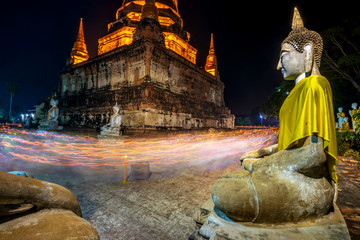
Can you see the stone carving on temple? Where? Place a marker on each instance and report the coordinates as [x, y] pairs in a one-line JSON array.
[[287, 190]]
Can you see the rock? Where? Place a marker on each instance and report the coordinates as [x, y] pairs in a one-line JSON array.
[[48, 224], [59, 217]]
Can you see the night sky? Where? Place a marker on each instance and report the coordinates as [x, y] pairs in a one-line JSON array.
[[37, 37]]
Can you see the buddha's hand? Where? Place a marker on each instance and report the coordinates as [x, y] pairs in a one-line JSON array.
[[335, 186], [259, 153]]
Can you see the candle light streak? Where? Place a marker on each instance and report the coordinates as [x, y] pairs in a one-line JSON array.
[[27, 148]]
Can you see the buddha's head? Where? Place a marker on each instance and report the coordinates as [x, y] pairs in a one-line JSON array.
[[354, 105], [53, 102], [116, 109], [340, 109], [300, 51], [346, 119]]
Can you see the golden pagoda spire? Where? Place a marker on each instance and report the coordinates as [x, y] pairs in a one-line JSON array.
[[297, 21], [149, 10], [176, 5], [79, 52], [211, 61]]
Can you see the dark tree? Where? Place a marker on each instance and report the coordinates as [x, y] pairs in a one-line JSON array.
[[272, 107], [12, 88], [341, 60]]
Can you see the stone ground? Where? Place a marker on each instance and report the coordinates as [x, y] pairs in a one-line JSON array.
[[158, 208], [162, 206], [349, 194]]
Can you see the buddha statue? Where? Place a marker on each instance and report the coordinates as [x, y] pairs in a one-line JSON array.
[[51, 121], [294, 180], [345, 125], [352, 112], [340, 115], [113, 128]]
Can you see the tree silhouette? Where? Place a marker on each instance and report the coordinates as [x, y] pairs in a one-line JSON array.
[[12, 88], [341, 60]]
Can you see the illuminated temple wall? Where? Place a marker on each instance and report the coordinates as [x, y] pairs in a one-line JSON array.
[[164, 91], [128, 69], [121, 37]]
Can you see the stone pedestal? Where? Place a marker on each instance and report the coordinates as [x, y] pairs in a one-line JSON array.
[[50, 126], [110, 131], [140, 171], [213, 225]]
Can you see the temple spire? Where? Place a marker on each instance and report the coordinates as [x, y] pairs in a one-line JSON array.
[[149, 10], [81, 36], [176, 5], [212, 48], [211, 61], [79, 52]]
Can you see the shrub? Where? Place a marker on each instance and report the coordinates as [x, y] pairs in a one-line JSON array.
[[347, 140], [357, 121], [349, 144], [352, 153]]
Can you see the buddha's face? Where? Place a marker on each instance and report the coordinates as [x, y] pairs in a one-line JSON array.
[[53, 103], [116, 109], [291, 63], [354, 105], [340, 109]]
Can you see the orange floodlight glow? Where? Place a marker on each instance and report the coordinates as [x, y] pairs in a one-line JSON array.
[[164, 21], [180, 46], [119, 38], [142, 3]]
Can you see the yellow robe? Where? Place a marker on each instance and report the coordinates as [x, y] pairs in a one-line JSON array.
[[341, 114], [50, 110], [308, 110], [352, 114]]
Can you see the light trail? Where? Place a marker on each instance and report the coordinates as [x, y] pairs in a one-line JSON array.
[[30, 149]]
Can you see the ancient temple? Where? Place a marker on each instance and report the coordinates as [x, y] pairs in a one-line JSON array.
[[147, 66]]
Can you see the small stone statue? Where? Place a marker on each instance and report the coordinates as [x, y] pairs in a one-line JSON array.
[[352, 112], [51, 122], [340, 116], [28, 122], [345, 125], [114, 127]]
